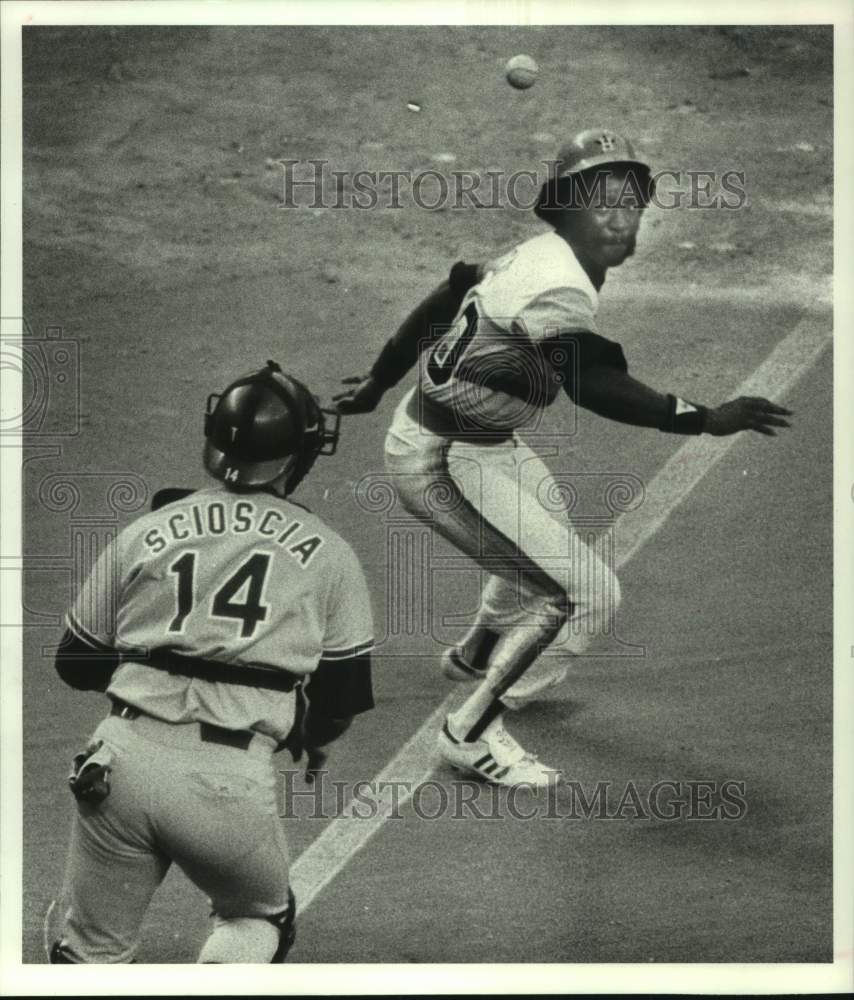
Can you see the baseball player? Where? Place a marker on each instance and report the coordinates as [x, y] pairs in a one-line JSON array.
[[495, 345], [204, 623]]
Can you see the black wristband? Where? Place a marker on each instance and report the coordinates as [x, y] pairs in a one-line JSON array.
[[683, 417]]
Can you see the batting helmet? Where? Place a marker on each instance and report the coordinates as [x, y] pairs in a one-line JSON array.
[[264, 425], [594, 148], [590, 151]]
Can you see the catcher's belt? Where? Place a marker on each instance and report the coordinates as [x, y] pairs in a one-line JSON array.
[[173, 662], [239, 739]]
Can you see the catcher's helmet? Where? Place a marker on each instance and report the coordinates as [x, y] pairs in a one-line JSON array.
[[589, 152], [264, 425]]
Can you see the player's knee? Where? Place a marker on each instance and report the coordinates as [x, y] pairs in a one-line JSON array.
[[285, 924], [558, 607], [61, 954], [258, 940]]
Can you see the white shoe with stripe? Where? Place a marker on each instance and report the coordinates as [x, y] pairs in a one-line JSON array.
[[496, 756]]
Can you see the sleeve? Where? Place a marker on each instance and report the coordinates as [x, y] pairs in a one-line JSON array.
[[84, 664], [562, 324], [341, 688], [349, 622], [463, 277], [170, 494], [341, 685], [426, 323], [86, 657], [93, 614], [573, 353], [556, 311]]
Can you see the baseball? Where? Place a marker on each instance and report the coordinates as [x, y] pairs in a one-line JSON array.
[[521, 72]]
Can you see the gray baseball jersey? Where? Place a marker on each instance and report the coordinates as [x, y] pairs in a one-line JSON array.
[[245, 579]]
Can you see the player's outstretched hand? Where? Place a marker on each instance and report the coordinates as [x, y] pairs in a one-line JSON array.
[[747, 413], [363, 396], [316, 763]]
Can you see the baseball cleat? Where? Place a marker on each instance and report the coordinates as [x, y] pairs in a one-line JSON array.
[[496, 757], [532, 684], [455, 668]]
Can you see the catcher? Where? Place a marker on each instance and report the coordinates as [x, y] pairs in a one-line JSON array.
[[496, 344], [223, 606]]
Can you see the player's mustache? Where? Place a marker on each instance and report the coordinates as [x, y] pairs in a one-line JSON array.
[[628, 243]]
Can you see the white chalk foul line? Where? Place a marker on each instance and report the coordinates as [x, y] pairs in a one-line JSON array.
[[324, 858], [346, 835]]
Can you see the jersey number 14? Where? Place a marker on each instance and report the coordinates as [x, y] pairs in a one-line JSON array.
[[250, 576]]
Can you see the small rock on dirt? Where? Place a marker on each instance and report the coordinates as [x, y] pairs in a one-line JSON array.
[[331, 275]]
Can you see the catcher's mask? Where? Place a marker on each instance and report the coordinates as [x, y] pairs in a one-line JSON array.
[[579, 161], [264, 425]]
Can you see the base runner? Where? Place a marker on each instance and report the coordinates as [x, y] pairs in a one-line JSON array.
[[204, 623], [495, 345]]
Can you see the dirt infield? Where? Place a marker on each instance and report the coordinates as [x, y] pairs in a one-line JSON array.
[[155, 237]]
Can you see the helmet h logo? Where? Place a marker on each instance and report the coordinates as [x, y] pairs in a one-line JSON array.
[[607, 142]]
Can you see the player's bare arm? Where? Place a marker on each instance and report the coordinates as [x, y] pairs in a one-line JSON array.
[[618, 396], [427, 321]]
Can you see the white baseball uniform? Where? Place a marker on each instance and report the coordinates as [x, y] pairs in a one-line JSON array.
[[457, 428]]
